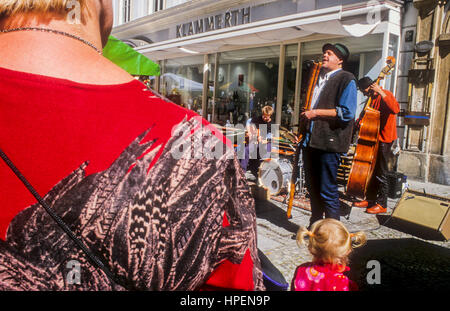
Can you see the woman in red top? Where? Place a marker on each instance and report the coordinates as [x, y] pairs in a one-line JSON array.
[[99, 147], [385, 102]]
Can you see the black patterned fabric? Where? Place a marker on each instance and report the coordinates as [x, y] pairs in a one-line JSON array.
[[155, 229]]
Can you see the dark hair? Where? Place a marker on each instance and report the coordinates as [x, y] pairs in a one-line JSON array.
[[364, 83]]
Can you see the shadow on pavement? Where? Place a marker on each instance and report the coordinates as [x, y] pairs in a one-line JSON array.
[[277, 216], [410, 228], [346, 209], [405, 264], [274, 214]]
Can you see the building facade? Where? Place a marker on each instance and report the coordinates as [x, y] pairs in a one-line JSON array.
[[227, 59], [423, 92]]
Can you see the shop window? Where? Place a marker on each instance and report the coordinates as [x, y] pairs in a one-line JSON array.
[[158, 5], [246, 81], [171, 3], [126, 7], [290, 74], [212, 82], [182, 82], [155, 6], [240, 80]]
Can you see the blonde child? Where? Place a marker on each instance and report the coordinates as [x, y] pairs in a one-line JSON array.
[[330, 244]]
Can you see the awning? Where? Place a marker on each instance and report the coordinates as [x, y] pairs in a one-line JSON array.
[[129, 59]]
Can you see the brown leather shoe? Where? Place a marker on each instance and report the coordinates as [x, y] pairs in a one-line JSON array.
[[376, 209], [362, 204]]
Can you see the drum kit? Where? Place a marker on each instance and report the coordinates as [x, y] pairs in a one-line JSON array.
[[275, 172]]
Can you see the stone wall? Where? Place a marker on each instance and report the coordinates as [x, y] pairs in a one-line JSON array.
[[426, 149]]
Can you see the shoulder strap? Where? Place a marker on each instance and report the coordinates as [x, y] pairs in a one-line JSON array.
[[91, 257]]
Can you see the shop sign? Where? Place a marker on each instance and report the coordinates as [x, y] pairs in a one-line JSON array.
[[214, 22]]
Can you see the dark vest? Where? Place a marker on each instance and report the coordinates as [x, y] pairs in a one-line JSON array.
[[332, 135]]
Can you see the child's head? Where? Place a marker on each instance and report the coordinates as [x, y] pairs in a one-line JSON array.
[[330, 242], [267, 110]]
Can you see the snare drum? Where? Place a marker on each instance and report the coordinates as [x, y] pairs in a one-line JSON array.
[[275, 175]]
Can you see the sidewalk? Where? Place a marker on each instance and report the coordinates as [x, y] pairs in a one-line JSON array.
[[407, 262]]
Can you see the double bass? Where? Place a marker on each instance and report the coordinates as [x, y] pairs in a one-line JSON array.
[[365, 156], [314, 75]]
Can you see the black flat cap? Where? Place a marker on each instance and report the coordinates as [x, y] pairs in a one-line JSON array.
[[340, 50], [364, 83]]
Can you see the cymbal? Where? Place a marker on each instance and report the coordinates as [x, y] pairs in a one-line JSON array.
[[288, 135]]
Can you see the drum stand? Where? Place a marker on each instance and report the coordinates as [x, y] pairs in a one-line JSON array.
[[300, 188], [343, 174]]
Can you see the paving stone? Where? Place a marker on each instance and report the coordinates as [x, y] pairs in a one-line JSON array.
[[407, 262]]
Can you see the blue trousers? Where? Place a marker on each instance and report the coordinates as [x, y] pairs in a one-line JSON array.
[[252, 156], [320, 179]]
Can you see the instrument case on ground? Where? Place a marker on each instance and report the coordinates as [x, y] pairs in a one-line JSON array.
[[395, 182]]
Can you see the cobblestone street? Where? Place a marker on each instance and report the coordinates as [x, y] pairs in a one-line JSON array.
[[407, 261]]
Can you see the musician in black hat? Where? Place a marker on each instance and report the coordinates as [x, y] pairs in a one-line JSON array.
[[331, 120]]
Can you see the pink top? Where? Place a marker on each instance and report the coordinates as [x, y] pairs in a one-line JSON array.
[[322, 277]]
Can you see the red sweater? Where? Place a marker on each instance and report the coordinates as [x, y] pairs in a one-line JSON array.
[[388, 108], [49, 127], [322, 277]]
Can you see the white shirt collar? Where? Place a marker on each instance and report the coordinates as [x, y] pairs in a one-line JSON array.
[[320, 85], [328, 74]]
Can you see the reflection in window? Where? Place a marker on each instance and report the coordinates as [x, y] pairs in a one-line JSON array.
[[171, 3], [246, 81], [126, 11], [290, 72], [158, 5], [182, 82]]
